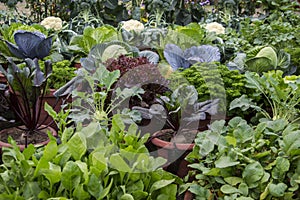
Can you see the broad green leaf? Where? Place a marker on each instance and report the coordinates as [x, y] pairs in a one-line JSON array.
[[231, 140], [80, 193], [277, 190], [126, 197], [106, 190], [228, 189], [282, 166], [98, 161], [118, 163], [94, 186], [243, 189], [253, 173], [160, 184], [225, 161], [233, 180], [53, 174], [77, 145], [199, 191], [71, 176], [84, 169], [31, 190], [291, 141], [212, 172]]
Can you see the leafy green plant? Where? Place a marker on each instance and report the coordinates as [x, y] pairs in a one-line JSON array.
[[261, 59], [92, 91], [180, 110], [89, 163], [62, 72], [278, 32], [239, 161], [81, 45], [213, 80], [281, 95]]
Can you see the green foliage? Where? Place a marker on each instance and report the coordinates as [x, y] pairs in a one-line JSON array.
[[280, 93], [62, 72], [81, 45], [277, 32], [213, 81], [261, 59], [90, 163], [239, 161]]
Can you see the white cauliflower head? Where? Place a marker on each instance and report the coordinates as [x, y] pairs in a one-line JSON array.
[[52, 23], [132, 25], [215, 27]]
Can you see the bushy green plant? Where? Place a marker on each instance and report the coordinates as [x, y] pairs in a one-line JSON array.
[[213, 80], [277, 32], [62, 72], [89, 163], [281, 95], [239, 161]]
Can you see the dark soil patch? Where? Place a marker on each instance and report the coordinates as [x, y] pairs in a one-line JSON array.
[[18, 135]]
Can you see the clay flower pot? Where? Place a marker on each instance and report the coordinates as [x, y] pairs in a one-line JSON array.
[[173, 152], [37, 137]]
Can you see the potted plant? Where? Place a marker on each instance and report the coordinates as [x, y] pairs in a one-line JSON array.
[[179, 116], [27, 83]]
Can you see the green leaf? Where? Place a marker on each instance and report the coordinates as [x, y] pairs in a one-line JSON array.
[[200, 191], [80, 193], [225, 161], [71, 176], [243, 189], [31, 190], [291, 142], [77, 145], [118, 163], [253, 173], [228, 189], [233, 180], [94, 186], [282, 166], [126, 197], [277, 190], [160, 184], [53, 173]]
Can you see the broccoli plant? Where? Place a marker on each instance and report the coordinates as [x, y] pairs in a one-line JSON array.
[[157, 8]]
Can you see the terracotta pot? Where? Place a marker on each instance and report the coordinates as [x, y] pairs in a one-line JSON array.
[[77, 65], [188, 195], [55, 104], [22, 147], [3, 79], [173, 152]]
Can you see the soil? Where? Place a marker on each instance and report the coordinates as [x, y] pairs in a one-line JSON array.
[[18, 135]]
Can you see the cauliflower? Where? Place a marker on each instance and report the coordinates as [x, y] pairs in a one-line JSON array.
[[132, 25], [52, 23], [215, 27]]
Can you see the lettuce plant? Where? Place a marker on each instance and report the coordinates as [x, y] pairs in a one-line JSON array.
[[240, 161]]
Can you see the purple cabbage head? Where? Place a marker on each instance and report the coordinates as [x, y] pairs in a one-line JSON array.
[[178, 58], [30, 45]]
